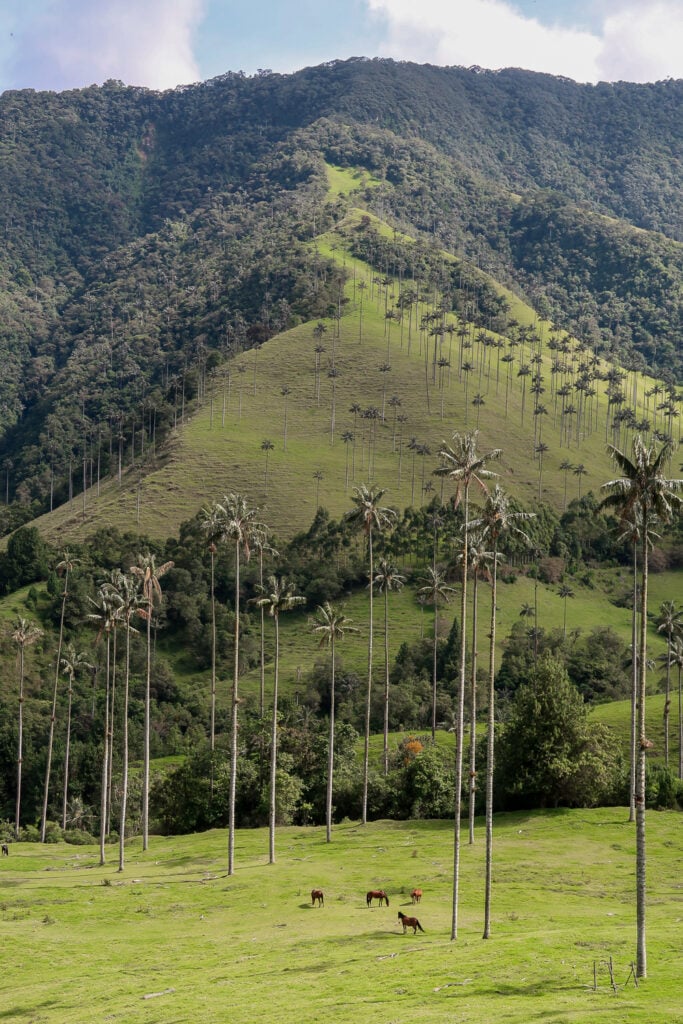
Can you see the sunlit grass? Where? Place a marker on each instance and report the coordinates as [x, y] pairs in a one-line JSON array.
[[175, 939]]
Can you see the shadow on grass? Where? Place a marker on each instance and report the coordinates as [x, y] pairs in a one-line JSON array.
[[30, 1012]]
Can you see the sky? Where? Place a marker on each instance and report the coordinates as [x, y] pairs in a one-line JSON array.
[[65, 44]]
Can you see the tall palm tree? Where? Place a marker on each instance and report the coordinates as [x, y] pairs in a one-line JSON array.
[[106, 605], [330, 626], [676, 658], [24, 634], [267, 446], [671, 624], [131, 602], [387, 578], [278, 596], [480, 560], [71, 661], [149, 574], [642, 490], [496, 521], [369, 516], [435, 589], [564, 592], [565, 466], [240, 528], [64, 567], [462, 464]]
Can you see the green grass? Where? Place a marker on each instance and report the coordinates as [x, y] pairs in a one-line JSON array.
[[174, 939]]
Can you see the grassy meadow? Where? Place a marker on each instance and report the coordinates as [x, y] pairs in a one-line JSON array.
[[174, 939]]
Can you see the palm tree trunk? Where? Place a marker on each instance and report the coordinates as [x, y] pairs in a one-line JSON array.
[[634, 690], [20, 743], [330, 752], [145, 765], [460, 722], [124, 754], [110, 768], [368, 698], [212, 741], [473, 713], [435, 651], [50, 742], [641, 951], [490, 749], [273, 749], [67, 751], [105, 761], [233, 722], [386, 680]]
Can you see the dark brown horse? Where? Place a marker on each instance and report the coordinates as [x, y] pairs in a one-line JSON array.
[[409, 922], [317, 897], [376, 894], [416, 895]]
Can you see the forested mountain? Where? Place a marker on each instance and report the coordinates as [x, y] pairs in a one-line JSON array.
[[146, 235]]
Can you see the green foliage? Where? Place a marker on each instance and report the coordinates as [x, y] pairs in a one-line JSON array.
[[548, 753]]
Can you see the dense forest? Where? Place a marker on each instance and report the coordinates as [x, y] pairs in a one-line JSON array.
[[146, 236]]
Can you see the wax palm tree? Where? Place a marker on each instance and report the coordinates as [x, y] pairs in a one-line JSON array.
[[24, 634], [540, 450], [434, 591], [580, 471], [462, 464], [330, 626], [480, 560], [670, 623], [149, 574], [240, 528], [131, 602], [106, 605], [564, 592], [285, 392], [565, 466], [676, 658], [278, 596], [64, 567], [72, 661], [266, 446], [643, 490], [387, 578], [369, 516], [496, 521]]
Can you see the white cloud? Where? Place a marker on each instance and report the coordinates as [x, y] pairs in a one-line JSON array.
[[639, 41], [76, 42], [643, 43]]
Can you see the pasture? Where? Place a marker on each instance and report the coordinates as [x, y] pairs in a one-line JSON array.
[[174, 939]]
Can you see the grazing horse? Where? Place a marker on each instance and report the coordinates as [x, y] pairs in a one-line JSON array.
[[416, 895], [376, 894], [5, 850], [409, 922], [317, 897]]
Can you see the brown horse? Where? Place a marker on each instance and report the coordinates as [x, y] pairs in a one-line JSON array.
[[317, 897], [409, 922], [416, 895], [376, 894]]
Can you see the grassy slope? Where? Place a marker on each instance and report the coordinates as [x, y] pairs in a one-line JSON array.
[[250, 947], [217, 451]]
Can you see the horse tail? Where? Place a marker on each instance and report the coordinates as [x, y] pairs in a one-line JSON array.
[[419, 925], [386, 898]]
